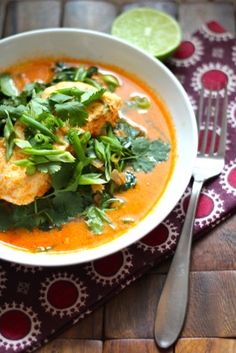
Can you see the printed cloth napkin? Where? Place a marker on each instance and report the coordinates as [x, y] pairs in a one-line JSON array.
[[36, 302]]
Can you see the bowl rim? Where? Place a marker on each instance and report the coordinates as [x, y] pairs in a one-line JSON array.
[[85, 255]]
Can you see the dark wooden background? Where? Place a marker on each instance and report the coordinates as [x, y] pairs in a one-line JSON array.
[[125, 324]]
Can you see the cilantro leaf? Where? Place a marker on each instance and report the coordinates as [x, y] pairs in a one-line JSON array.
[[59, 98], [160, 150], [37, 106], [72, 111], [69, 203], [63, 176], [33, 88], [64, 72], [14, 112], [49, 167], [148, 153], [5, 218], [64, 207], [95, 219], [92, 95]]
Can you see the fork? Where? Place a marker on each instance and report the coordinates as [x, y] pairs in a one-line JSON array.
[[171, 309]]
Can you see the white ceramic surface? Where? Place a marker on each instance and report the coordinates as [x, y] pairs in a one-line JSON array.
[[104, 48]]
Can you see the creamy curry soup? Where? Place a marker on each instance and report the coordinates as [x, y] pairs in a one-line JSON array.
[[86, 152]]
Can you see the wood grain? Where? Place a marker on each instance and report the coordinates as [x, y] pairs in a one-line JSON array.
[[27, 15], [214, 252], [91, 327], [212, 305], [210, 345], [2, 15], [211, 312], [131, 313], [132, 346], [193, 15], [72, 346], [87, 14], [169, 7]]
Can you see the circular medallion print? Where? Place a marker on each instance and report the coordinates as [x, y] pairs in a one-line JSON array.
[[213, 31], [231, 113], [62, 294], [193, 103], [19, 326], [3, 280], [160, 239], [22, 324], [110, 269], [188, 53], [109, 265], [26, 268], [67, 297], [228, 178], [214, 76], [214, 79], [234, 54], [209, 210]]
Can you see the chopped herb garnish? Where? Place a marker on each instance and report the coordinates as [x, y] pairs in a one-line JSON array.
[[138, 102], [9, 135], [111, 81], [7, 85], [86, 170], [95, 218]]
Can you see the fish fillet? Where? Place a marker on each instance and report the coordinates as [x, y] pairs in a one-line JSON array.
[[16, 186], [21, 189], [99, 112]]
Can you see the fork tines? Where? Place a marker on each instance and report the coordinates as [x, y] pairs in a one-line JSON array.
[[212, 121]]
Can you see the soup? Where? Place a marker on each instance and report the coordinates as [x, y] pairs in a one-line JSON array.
[[87, 150]]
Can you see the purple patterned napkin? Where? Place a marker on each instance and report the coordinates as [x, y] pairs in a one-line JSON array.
[[36, 303]]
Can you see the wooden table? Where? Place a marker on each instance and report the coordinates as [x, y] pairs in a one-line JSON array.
[[125, 324]]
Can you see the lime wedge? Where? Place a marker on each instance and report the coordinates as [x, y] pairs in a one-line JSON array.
[[154, 31]]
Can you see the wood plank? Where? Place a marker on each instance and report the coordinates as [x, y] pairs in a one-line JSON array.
[[2, 15], [200, 345], [131, 313], [169, 7], [28, 15], [72, 346], [212, 305], [211, 312], [90, 327], [87, 14], [132, 346], [193, 15], [214, 252]]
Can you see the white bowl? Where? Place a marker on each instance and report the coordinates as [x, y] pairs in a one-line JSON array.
[[104, 48]]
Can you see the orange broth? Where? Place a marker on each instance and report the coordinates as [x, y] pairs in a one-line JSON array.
[[138, 201]]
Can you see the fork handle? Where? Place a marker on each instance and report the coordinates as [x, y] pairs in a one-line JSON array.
[[172, 305]]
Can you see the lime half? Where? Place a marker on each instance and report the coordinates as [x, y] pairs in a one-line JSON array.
[[154, 31]]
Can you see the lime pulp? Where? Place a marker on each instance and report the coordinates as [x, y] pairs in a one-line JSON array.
[[153, 31]]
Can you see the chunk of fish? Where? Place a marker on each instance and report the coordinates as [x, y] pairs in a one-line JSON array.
[[16, 186], [99, 112], [21, 189]]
